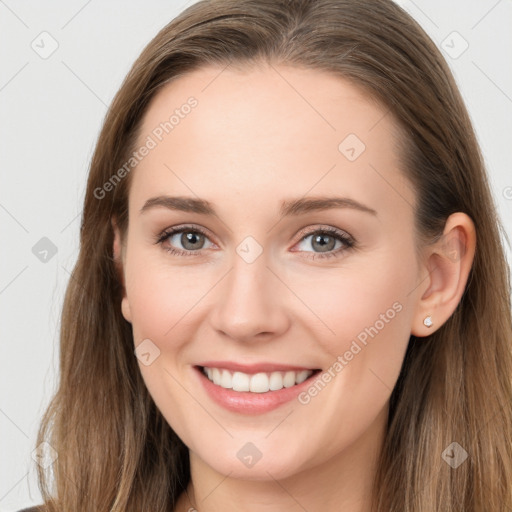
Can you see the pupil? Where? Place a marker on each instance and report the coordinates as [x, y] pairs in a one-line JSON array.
[[324, 245], [190, 238]]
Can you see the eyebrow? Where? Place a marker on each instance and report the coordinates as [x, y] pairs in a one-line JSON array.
[[292, 207]]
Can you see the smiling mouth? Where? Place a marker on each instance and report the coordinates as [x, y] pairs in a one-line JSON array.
[[261, 382]]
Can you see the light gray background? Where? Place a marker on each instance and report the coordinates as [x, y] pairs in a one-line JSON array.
[[51, 110]]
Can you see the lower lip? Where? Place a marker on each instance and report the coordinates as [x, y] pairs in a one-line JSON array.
[[245, 402]]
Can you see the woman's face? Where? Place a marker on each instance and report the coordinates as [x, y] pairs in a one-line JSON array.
[[307, 262]]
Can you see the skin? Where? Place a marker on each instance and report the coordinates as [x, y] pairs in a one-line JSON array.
[[257, 137]]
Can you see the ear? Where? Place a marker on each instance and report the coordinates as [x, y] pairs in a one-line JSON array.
[[447, 265], [119, 259]]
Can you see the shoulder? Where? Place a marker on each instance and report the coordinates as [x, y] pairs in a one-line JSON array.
[[31, 509]]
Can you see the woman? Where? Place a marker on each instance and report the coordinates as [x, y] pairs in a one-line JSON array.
[[291, 291]]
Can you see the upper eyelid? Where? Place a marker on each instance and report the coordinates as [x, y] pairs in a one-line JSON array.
[[179, 228]]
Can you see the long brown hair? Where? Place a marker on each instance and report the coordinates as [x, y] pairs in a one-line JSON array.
[[115, 450]]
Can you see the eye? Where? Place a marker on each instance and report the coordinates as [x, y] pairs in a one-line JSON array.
[[325, 240], [191, 239]]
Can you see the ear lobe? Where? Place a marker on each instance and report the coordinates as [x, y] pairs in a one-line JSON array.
[[448, 263], [118, 257]]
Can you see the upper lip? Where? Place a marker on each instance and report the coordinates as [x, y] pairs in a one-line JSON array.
[[253, 368]]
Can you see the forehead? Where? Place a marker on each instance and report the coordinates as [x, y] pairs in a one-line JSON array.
[[266, 101], [267, 131]]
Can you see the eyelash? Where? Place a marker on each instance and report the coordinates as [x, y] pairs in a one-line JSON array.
[[339, 235]]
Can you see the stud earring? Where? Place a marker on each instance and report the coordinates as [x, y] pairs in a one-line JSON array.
[[428, 321]]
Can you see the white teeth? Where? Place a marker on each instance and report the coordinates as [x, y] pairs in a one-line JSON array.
[[258, 382], [226, 379], [275, 381], [302, 376], [289, 379], [241, 381]]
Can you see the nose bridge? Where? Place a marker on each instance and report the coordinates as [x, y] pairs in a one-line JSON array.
[[248, 302]]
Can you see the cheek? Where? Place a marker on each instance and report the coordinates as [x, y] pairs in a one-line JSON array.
[[159, 295], [351, 300], [370, 320], [364, 326]]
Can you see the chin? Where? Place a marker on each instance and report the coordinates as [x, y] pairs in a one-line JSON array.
[[264, 469]]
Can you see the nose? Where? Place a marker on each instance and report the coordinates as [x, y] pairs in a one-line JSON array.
[[251, 301]]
